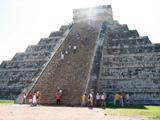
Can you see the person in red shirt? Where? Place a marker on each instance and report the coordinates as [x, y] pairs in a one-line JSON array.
[[30, 96], [58, 99]]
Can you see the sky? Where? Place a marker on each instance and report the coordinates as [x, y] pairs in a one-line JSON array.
[[24, 22]]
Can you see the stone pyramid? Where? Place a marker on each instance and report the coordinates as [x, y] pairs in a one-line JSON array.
[[109, 58]]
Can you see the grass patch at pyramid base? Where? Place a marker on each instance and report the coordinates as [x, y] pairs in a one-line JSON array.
[[150, 112]]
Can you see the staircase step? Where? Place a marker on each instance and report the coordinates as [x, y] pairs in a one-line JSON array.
[[132, 49], [128, 42], [40, 48], [31, 56], [51, 40]]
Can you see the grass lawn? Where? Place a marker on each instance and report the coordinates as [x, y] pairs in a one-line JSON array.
[[150, 112], [6, 101]]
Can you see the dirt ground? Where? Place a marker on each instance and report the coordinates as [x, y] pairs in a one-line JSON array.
[[26, 112]]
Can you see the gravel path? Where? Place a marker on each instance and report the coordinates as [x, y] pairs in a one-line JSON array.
[[25, 112]]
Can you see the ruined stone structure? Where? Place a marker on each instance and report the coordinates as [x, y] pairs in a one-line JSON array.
[[109, 58], [101, 13]]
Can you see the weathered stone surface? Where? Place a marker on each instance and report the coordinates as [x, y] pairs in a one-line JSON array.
[[22, 64], [40, 48], [46, 41], [21, 71], [31, 56], [55, 34], [130, 64]]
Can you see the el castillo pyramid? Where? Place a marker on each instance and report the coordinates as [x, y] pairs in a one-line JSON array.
[[109, 58]]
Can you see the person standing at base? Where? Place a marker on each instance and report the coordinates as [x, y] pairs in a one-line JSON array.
[[34, 99], [83, 101], [30, 96], [90, 100], [97, 99], [121, 100], [117, 98], [103, 100], [24, 98], [123, 94], [127, 98], [58, 99], [38, 96]]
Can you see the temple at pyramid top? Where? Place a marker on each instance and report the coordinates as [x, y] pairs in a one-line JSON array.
[[100, 13]]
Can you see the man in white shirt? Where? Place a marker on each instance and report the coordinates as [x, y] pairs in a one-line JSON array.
[[97, 99], [103, 100]]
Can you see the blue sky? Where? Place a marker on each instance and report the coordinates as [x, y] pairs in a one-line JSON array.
[[24, 22]]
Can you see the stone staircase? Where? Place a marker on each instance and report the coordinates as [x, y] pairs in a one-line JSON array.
[[21, 71], [130, 64], [70, 74]]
